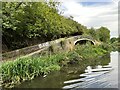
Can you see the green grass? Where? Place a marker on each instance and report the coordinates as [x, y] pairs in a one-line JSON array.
[[28, 68], [89, 51], [23, 69]]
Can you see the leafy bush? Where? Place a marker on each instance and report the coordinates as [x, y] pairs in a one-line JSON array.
[[28, 68], [89, 51]]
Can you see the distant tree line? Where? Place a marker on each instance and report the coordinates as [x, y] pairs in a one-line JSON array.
[[101, 34]]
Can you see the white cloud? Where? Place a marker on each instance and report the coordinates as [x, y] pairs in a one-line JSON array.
[[95, 15]]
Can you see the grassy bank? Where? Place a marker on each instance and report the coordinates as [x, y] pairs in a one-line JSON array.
[[23, 69], [89, 52]]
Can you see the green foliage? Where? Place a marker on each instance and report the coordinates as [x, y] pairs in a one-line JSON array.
[[114, 39], [73, 56], [103, 34], [24, 22], [35, 20], [90, 51], [115, 43], [92, 33], [28, 68], [106, 47]]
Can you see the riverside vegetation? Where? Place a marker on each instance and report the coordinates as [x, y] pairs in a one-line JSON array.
[[22, 69], [28, 23]]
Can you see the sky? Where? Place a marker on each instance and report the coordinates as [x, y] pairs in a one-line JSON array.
[[92, 13]]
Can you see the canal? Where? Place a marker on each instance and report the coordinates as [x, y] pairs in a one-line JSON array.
[[101, 72]]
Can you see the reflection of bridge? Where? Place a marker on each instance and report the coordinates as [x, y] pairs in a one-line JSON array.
[[64, 44]]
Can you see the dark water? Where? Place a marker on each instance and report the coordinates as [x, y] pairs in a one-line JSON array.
[[98, 73]]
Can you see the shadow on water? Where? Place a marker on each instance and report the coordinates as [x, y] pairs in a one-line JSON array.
[[75, 75]]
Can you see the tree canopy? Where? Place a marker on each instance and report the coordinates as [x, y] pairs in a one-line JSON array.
[[24, 22], [103, 34]]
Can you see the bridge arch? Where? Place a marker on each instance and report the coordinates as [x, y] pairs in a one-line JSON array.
[[84, 39]]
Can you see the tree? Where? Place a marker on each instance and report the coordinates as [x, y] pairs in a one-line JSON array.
[[103, 34], [92, 32], [26, 21]]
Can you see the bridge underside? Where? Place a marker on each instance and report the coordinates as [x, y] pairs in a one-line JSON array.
[[83, 42]]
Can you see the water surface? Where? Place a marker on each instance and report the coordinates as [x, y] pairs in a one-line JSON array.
[[102, 73]]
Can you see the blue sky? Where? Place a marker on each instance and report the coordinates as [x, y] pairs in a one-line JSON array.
[[92, 13], [94, 3]]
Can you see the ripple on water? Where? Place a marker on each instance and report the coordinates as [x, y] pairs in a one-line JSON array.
[[96, 79]]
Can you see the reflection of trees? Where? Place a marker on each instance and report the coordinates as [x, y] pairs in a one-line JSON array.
[[81, 65], [104, 60]]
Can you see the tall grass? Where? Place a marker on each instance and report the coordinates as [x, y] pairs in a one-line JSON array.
[[90, 51], [28, 68]]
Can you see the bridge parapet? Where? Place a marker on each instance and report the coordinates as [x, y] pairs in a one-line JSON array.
[[64, 44], [82, 36]]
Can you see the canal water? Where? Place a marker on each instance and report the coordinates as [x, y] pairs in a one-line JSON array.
[[99, 73]]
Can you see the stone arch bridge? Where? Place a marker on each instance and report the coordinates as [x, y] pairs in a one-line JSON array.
[[62, 44], [78, 39], [70, 42]]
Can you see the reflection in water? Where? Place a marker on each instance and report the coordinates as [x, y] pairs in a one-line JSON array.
[[94, 78], [99, 74], [100, 77]]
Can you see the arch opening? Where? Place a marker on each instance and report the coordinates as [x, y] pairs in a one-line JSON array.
[[83, 42]]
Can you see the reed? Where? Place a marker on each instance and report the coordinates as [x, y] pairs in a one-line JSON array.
[[22, 69], [28, 68], [90, 51]]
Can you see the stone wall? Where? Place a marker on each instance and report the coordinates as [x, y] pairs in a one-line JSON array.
[[59, 45], [55, 46]]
